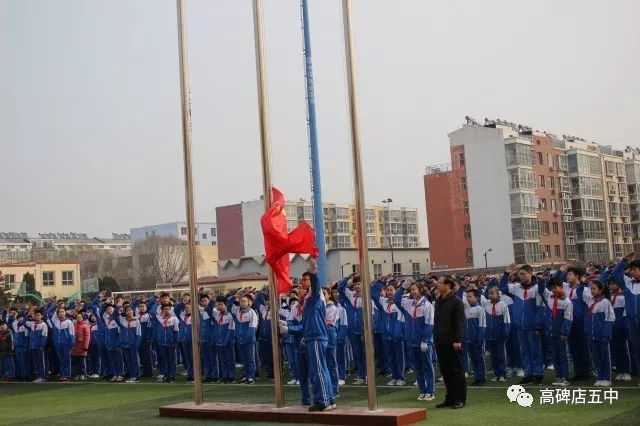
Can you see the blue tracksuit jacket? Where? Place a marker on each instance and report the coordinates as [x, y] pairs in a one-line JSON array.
[[418, 318]]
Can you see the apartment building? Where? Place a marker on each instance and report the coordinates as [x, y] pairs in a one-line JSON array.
[[205, 232]]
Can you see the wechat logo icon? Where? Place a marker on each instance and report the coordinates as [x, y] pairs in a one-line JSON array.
[[516, 393]]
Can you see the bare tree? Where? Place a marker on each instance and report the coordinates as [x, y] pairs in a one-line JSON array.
[[160, 260]]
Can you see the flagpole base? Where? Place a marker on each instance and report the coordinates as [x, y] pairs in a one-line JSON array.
[[298, 414]]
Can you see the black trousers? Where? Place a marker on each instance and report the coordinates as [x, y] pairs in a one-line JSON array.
[[450, 362]]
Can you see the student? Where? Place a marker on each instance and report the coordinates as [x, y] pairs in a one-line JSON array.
[[333, 324], [630, 286], [475, 327], [16, 324], [63, 340], [167, 329], [6, 353], [391, 327], [497, 332], [578, 344], [246, 324], [353, 305], [210, 367], [144, 351], [525, 308], [557, 324], [184, 339], [262, 305], [341, 339], [290, 348], [95, 362], [598, 325], [130, 334], [223, 340], [38, 332], [113, 367], [418, 319], [80, 347], [619, 343]]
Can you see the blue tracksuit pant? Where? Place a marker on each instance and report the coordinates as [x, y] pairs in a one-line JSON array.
[[579, 348], [513, 350], [292, 357], [633, 328], [382, 363], [476, 354], [94, 364], [22, 363], [144, 352], [130, 356], [394, 353], [560, 359], [208, 360], [358, 354], [318, 372], [498, 351], [169, 361], [8, 368], [332, 366], [547, 350], [341, 359], [248, 358], [303, 376], [114, 362], [38, 363], [530, 351], [601, 358], [187, 350], [226, 359], [63, 353], [424, 370], [266, 355], [620, 354]]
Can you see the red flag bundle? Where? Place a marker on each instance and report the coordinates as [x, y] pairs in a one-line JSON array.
[[278, 243]]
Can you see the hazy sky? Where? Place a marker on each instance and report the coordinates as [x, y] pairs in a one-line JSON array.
[[90, 135]]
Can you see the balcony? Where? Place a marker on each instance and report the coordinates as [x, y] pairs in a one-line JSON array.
[[438, 168]]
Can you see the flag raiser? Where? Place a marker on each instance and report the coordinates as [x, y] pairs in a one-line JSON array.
[[278, 243]]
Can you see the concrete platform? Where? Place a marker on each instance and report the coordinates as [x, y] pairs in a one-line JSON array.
[[296, 414]]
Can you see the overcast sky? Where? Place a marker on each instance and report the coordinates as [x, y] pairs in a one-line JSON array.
[[90, 135]]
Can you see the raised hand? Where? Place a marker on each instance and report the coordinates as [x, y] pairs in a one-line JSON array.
[[630, 256]]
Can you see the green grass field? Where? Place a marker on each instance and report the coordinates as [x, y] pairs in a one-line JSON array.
[[106, 403]]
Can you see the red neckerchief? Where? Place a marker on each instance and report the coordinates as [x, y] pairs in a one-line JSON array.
[[526, 291], [493, 308], [554, 307], [593, 305], [355, 302], [389, 306], [241, 315], [615, 296], [221, 319], [165, 321]]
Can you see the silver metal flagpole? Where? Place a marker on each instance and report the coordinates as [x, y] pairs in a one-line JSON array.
[[185, 97], [363, 256], [266, 184]]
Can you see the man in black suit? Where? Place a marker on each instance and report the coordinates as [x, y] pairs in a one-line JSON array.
[[448, 332]]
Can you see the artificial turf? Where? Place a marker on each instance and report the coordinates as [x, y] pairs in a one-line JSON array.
[[107, 403]]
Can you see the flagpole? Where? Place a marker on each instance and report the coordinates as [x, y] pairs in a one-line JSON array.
[[266, 187], [363, 256], [185, 97]]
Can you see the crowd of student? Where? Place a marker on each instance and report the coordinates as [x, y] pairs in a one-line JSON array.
[[526, 321]]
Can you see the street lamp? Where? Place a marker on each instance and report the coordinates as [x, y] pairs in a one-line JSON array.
[[342, 269], [486, 265], [388, 202]]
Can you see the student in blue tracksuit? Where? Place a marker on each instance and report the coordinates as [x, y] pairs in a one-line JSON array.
[[497, 332], [63, 339], [130, 335], [391, 327], [94, 358], [262, 305], [630, 286], [475, 328], [332, 321], [418, 321], [525, 309], [315, 338], [598, 325], [144, 351], [38, 332], [578, 345], [114, 369], [619, 341], [224, 328], [246, 325], [290, 348], [184, 339], [210, 368], [557, 324], [16, 323], [341, 339], [167, 331], [353, 305]]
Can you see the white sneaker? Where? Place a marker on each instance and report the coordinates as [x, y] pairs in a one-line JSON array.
[[440, 379], [359, 381], [297, 382], [340, 382], [502, 379], [292, 382], [550, 367], [618, 377], [520, 372], [400, 383], [560, 382], [415, 383], [626, 377], [392, 383], [495, 379], [160, 377], [509, 372], [428, 397], [94, 376], [421, 397], [602, 383], [82, 378], [466, 375], [38, 380], [238, 365]]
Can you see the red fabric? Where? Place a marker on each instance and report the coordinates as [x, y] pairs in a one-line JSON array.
[[615, 296], [278, 243], [593, 305], [83, 338], [526, 293], [558, 294], [493, 310]]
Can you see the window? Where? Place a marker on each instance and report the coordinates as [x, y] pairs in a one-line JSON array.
[[565, 184], [204, 236], [355, 268], [525, 229], [342, 213], [540, 158], [543, 204], [470, 256], [547, 252], [463, 183], [554, 206], [461, 158], [370, 215], [556, 228], [371, 228], [410, 216], [556, 251], [550, 159], [610, 168], [9, 281], [544, 228], [213, 232], [412, 241], [48, 278], [587, 207], [614, 209], [377, 270], [67, 277], [342, 227], [371, 242], [623, 189], [590, 230], [620, 170], [527, 253], [521, 179], [415, 269], [397, 269], [541, 180], [552, 182], [518, 154], [465, 207], [467, 231], [343, 241], [183, 230], [523, 203]]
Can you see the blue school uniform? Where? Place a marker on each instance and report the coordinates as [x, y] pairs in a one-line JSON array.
[[112, 350], [353, 305], [392, 331], [246, 323], [265, 349], [38, 332], [144, 351], [332, 319], [631, 290], [619, 340], [498, 322], [598, 326], [20, 335], [130, 335], [556, 323], [167, 331], [63, 339], [94, 358], [184, 339], [341, 342], [224, 328], [475, 326]]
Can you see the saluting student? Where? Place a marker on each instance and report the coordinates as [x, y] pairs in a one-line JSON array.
[[38, 332], [598, 325], [131, 333], [497, 332], [167, 330], [246, 325], [63, 340], [475, 327], [630, 286], [353, 305], [391, 327], [223, 340]]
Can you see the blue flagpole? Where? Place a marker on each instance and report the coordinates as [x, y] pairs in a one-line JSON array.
[[316, 187]]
